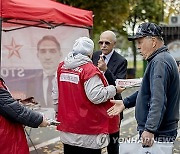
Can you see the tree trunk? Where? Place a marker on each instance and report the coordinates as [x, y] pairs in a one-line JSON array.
[[134, 45], [134, 54]]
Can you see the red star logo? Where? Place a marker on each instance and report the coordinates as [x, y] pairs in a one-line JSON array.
[[13, 49]]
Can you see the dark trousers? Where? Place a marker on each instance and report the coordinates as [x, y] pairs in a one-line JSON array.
[[113, 147], [69, 149]]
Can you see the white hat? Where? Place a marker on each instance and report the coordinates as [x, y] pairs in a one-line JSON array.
[[83, 45]]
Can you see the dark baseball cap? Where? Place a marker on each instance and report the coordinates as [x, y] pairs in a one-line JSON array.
[[147, 29]]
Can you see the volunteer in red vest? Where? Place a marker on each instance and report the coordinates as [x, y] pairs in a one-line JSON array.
[[12, 118], [83, 96]]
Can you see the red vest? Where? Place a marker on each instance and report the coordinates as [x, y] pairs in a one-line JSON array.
[[76, 112], [12, 136]]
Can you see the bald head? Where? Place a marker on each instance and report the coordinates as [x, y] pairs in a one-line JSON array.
[[109, 34], [107, 41]]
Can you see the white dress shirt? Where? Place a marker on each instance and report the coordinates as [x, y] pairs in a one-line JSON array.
[[108, 56]]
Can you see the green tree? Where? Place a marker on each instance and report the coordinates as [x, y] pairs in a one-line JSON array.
[[171, 7], [109, 14], [122, 15], [143, 10]]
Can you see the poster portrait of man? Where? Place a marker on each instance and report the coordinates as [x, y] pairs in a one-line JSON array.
[[30, 58], [40, 85]]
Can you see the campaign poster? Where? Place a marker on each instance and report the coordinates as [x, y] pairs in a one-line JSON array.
[[30, 57]]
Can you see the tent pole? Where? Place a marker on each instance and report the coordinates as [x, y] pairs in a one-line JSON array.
[[91, 33], [0, 42]]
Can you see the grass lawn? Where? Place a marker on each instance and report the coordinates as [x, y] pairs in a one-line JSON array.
[[139, 72]]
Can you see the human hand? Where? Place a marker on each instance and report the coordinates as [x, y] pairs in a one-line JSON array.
[[44, 123], [117, 108], [120, 89], [147, 139], [101, 64], [53, 122]]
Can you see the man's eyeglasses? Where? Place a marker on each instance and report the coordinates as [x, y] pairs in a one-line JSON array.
[[106, 42]]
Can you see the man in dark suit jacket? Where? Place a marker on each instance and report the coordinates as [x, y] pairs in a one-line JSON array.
[[114, 67]]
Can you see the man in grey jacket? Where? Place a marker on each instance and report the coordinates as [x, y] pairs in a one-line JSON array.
[[95, 94], [157, 101]]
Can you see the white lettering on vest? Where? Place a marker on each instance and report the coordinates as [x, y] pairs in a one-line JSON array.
[[67, 77], [78, 69]]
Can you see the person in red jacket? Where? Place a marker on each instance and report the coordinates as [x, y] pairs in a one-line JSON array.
[[12, 118], [83, 97]]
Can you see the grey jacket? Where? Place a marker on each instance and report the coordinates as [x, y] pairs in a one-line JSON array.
[[96, 93], [157, 102]]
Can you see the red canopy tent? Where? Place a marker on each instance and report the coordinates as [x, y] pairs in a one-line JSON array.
[[42, 14]]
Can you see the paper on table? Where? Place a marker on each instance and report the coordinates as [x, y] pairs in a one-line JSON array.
[[129, 83]]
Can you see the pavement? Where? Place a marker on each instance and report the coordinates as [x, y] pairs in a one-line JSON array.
[[47, 140]]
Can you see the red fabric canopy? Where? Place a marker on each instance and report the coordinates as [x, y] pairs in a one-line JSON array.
[[44, 11]]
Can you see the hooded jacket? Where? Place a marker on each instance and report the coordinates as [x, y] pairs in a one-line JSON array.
[[95, 92]]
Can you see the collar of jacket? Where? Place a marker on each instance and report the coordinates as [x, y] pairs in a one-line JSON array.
[[162, 49]]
